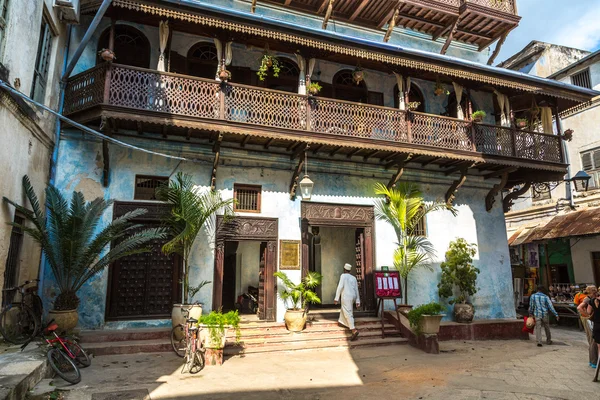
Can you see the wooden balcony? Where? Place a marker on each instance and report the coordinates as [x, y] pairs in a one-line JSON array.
[[138, 96]]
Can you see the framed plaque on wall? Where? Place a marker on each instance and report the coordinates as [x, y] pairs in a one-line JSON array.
[[289, 254]]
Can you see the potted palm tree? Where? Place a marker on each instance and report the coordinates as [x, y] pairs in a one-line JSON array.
[[403, 207], [73, 245], [190, 212], [297, 298], [459, 275]]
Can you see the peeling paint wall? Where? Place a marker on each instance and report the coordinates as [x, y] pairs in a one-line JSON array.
[[334, 183]]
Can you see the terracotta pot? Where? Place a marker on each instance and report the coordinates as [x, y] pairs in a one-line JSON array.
[[313, 91], [269, 63], [66, 320], [463, 313], [438, 92], [208, 340], [521, 125], [107, 55], [224, 75], [295, 320], [358, 76], [213, 357], [430, 324]]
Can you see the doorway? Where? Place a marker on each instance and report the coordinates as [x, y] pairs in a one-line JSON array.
[[243, 263]]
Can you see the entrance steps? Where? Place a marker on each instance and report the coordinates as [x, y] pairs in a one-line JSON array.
[[322, 331]]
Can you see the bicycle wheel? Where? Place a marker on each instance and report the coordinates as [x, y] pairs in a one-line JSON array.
[[81, 357], [197, 362], [18, 323], [64, 366], [178, 340]]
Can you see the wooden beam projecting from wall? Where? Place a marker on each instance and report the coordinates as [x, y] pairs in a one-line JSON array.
[[451, 193], [328, 14], [497, 49], [245, 141], [442, 31], [391, 24], [450, 36], [399, 172], [460, 167], [253, 7], [217, 150], [508, 199], [490, 199], [499, 172], [294, 183]]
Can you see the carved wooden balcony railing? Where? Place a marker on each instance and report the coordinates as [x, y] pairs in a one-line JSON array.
[[177, 95]]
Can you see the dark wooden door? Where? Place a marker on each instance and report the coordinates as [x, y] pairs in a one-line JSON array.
[[229, 281], [262, 305], [360, 263], [145, 285]]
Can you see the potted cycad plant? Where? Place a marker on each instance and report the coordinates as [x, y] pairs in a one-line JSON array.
[[214, 328], [426, 318], [73, 244], [297, 297], [404, 207], [459, 275], [190, 212]]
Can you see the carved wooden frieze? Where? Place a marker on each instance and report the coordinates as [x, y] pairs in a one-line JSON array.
[[247, 228], [347, 213]]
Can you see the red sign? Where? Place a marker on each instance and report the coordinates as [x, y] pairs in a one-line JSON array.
[[387, 284]]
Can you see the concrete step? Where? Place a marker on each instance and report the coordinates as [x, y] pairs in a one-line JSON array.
[[102, 336], [312, 321], [296, 346], [308, 337], [129, 347], [317, 329]]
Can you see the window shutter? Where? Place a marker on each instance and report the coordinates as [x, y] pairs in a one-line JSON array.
[[586, 161], [596, 159]]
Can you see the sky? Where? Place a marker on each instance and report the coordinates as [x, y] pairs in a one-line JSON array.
[[572, 23]]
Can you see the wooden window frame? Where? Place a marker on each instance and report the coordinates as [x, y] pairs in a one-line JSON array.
[[545, 195], [3, 24], [135, 186], [594, 171], [41, 69], [582, 78], [423, 223], [257, 188]]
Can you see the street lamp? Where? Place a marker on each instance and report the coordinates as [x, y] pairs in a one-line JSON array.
[[581, 180], [306, 185]]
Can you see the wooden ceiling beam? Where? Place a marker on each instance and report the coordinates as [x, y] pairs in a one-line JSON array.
[[245, 141], [461, 167], [140, 128], [426, 163], [371, 154], [322, 7], [442, 31], [328, 14], [271, 140], [499, 172], [334, 151], [303, 148], [358, 10], [389, 15], [317, 148], [352, 153], [287, 2]]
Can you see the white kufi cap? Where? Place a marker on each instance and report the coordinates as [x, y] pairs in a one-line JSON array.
[[347, 267]]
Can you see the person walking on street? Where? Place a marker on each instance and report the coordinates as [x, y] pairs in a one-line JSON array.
[[540, 307], [593, 310], [591, 293], [348, 291]]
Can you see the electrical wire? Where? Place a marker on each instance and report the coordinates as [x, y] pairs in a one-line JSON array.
[[84, 128]]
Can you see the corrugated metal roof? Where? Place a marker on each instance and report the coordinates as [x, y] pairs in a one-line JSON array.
[[579, 223]]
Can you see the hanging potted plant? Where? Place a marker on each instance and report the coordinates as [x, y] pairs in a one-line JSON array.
[[440, 89], [478, 116], [459, 275], [213, 333], [268, 62], [358, 75], [74, 245], [297, 297], [107, 55], [413, 105], [521, 123], [224, 75], [425, 319], [190, 212], [314, 88]]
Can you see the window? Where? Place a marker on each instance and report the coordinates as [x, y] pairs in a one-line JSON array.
[[247, 198], [202, 60], [42, 63], [11, 273], [590, 162], [582, 79], [3, 18], [131, 46], [542, 195], [420, 229], [145, 186]]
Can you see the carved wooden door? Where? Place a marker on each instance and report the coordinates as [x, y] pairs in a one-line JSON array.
[[360, 263], [262, 305]]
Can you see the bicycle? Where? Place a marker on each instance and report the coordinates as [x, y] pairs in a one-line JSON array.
[[186, 343], [65, 355], [20, 320]]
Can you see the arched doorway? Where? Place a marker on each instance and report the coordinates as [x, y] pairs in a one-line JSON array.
[[287, 80], [344, 88], [414, 96], [131, 46], [451, 110], [202, 60]]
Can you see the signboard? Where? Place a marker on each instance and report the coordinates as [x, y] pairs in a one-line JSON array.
[[289, 254], [387, 284]]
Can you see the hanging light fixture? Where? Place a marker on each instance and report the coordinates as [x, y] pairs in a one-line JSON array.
[[581, 181], [306, 185]]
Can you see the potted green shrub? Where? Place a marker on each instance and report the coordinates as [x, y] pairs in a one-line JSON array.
[[268, 62], [213, 333], [314, 88], [74, 245], [404, 207], [297, 297], [459, 275], [426, 318], [190, 212], [521, 123], [478, 115]]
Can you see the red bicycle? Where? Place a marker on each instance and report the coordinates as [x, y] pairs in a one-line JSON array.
[[185, 339], [65, 355]]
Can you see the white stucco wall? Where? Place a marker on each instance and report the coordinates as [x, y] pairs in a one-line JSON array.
[[581, 254], [337, 248], [247, 268]]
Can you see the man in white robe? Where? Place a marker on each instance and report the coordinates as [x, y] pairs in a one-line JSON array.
[[348, 290]]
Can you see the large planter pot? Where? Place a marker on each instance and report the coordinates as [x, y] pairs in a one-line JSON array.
[[66, 320], [463, 313], [430, 324], [212, 343], [295, 320], [178, 317]]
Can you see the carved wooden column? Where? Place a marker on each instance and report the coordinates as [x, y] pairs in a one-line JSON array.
[[369, 300], [218, 278], [305, 245], [270, 281]]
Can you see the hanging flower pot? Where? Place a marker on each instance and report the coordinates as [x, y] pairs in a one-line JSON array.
[[314, 88], [107, 55], [358, 76], [224, 75], [521, 123], [478, 115]]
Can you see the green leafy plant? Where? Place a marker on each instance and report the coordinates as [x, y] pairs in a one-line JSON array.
[[458, 272], [193, 290], [403, 207], [216, 322], [478, 115], [267, 62], [190, 211], [301, 294], [440, 89], [522, 122], [69, 238], [414, 316], [314, 88]]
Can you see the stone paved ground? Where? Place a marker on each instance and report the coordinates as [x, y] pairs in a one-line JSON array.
[[464, 370]]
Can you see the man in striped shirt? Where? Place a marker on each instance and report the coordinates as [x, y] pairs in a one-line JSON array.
[[540, 307]]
